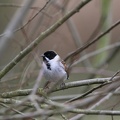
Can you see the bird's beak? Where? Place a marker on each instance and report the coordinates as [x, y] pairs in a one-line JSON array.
[[43, 56]]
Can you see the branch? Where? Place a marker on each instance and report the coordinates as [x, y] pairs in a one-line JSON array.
[[16, 93], [13, 101], [49, 112], [115, 45], [89, 43], [94, 88], [95, 112], [40, 91], [111, 90], [83, 83], [43, 35], [22, 93]]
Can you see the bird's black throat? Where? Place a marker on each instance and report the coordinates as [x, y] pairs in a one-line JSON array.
[[48, 66], [47, 63]]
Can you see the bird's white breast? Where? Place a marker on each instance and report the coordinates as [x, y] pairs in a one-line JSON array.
[[56, 73]]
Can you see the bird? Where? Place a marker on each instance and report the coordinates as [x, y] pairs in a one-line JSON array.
[[54, 68]]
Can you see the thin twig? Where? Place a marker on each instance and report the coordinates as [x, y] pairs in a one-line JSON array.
[[13, 109], [115, 45], [29, 19]]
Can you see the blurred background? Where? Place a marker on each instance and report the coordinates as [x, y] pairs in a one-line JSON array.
[[101, 59]]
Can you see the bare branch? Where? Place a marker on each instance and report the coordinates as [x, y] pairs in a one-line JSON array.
[[89, 43], [40, 91]]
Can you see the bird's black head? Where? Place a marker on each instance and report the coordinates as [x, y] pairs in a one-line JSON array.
[[50, 54]]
